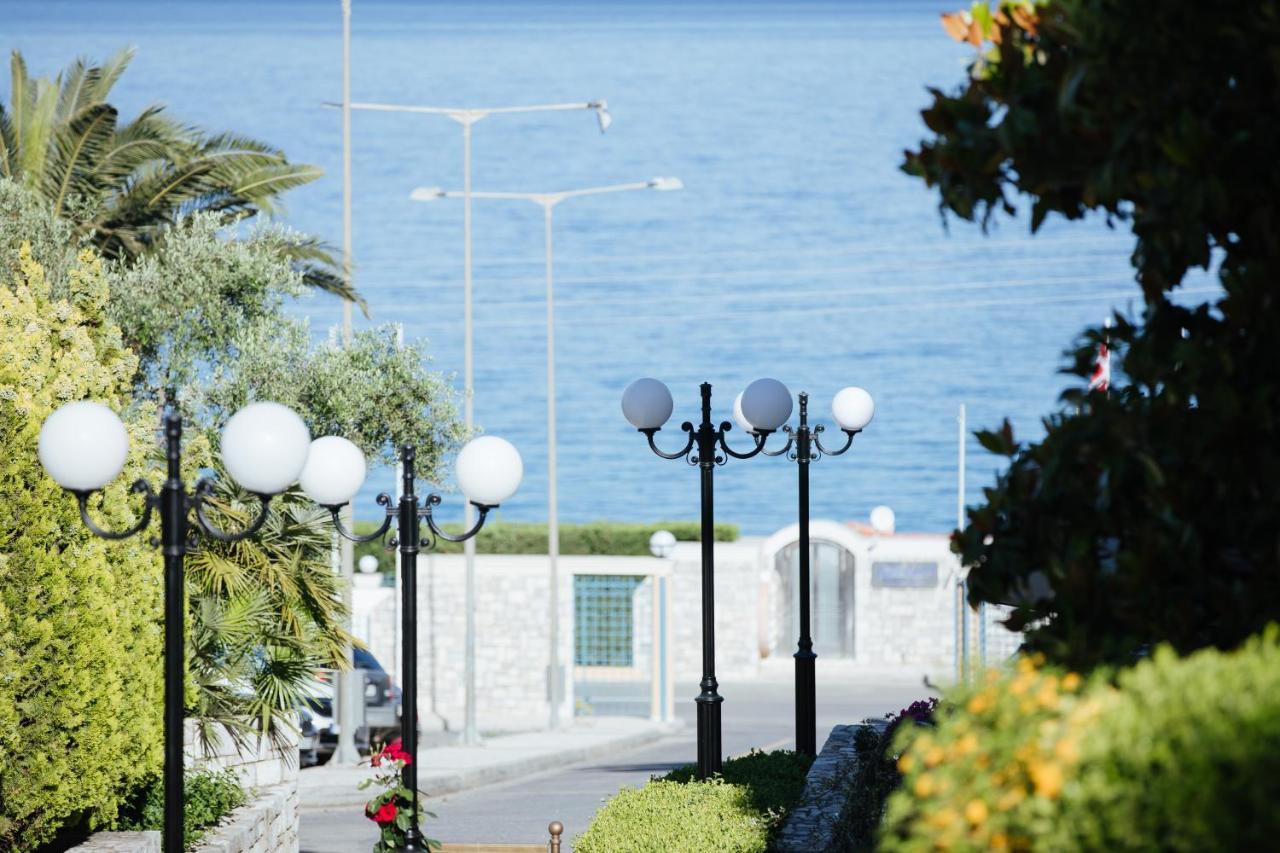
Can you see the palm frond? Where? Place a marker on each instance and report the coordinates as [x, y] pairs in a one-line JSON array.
[[77, 147], [8, 146], [20, 98], [109, 73], [35, 138]]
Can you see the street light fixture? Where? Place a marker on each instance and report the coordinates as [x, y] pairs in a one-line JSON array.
[[83, 446], [647, 404], [489, 470], [853, 409], [467, 117], [548, 202]]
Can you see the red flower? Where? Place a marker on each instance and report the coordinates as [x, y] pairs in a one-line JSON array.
[[385, 814], [395, 752]]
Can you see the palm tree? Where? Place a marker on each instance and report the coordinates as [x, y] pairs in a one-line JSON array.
[[123, 185], [266, 615]]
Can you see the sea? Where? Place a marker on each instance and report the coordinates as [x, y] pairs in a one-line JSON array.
[[797, 248]]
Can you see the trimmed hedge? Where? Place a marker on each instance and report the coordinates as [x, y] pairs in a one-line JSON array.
[[736, 812], [1177, 754], [596, 538], [80, 639]]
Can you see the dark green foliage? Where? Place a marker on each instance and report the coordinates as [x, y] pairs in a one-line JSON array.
[[874, 780], [598, 538], [737, 811], [209, 796], [774, 780], [1148, 515]]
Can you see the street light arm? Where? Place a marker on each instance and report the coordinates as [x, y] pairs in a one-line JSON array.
[[761, 436], [791, 439], [384, 500], [433, 501], [139, 487], [204, 491], [817, 442], [686, 426]]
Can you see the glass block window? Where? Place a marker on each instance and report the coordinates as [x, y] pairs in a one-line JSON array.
[[603, 620]]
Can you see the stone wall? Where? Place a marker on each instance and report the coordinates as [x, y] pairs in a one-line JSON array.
[[267, 823]]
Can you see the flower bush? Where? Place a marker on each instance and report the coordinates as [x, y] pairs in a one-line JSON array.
[[392, 808], [1171, 754]]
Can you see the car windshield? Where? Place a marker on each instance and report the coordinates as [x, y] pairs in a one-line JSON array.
[[364, 660]]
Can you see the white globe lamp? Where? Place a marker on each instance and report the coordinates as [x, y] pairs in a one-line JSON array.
[[489, 470], [368, 564], [766, 404], [882, 519], [853, 409], [334, 472], [83, 446], [739, 418], [662, 544], [647, 404], [265, 447]]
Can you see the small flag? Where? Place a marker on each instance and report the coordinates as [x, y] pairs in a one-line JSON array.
[[1100, 379]]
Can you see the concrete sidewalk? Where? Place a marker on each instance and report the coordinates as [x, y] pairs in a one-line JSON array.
[[449, 769]]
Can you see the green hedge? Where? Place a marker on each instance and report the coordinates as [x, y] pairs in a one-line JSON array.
[[80, 639], [1171, 754], [737, 812], [596, 538]]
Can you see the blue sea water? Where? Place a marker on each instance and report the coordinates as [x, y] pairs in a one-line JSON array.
[[797, 249]]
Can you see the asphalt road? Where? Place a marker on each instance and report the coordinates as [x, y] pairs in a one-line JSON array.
[[758, 714]]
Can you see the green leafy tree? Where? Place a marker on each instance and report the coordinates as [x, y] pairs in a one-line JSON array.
[[124, 185], [80, 639], [1146, 514]]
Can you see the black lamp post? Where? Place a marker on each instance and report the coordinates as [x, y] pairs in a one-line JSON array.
[[83, 446], [489, 470], [647, 405], [853, 409]]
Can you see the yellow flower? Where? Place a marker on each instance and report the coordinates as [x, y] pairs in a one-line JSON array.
[[924, 785], [1010, 799], [1022, 684], [976, 812], [1067, 750], [1071, 682], [979, 703], [1048, 697], [999, 841], [967, 744], [1047, 778], [933, 757], [1025, 666], [905, 763]]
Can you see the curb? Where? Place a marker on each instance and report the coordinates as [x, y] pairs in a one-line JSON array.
[[452, 782]]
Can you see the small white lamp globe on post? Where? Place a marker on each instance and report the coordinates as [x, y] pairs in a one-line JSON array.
[[368, 564], [764, 406], [489, 470], [662, 544], [84, 445]]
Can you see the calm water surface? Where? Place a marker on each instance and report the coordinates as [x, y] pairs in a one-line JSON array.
[[797, 250]]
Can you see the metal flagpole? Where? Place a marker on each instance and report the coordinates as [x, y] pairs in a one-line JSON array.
[[962, 605]]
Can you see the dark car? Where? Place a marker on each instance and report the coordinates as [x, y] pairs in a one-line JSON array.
[[381, 712]]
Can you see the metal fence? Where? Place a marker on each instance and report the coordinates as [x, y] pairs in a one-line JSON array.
[[621, 641]]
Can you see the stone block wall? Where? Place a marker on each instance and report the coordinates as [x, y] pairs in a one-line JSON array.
[[267, 823]]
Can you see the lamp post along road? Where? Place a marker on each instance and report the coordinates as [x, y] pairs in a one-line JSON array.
[[548, 202], [489, 470], [853, 409], [83, 446], [467, 117], [647, 404]]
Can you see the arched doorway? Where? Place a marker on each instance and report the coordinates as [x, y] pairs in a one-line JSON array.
[[831, 597]]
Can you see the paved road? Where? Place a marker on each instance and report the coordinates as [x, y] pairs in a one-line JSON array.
[[758, 714]]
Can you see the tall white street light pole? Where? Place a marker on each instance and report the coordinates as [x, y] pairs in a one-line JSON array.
[[548, 202], [467, 117], [345, 688]]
